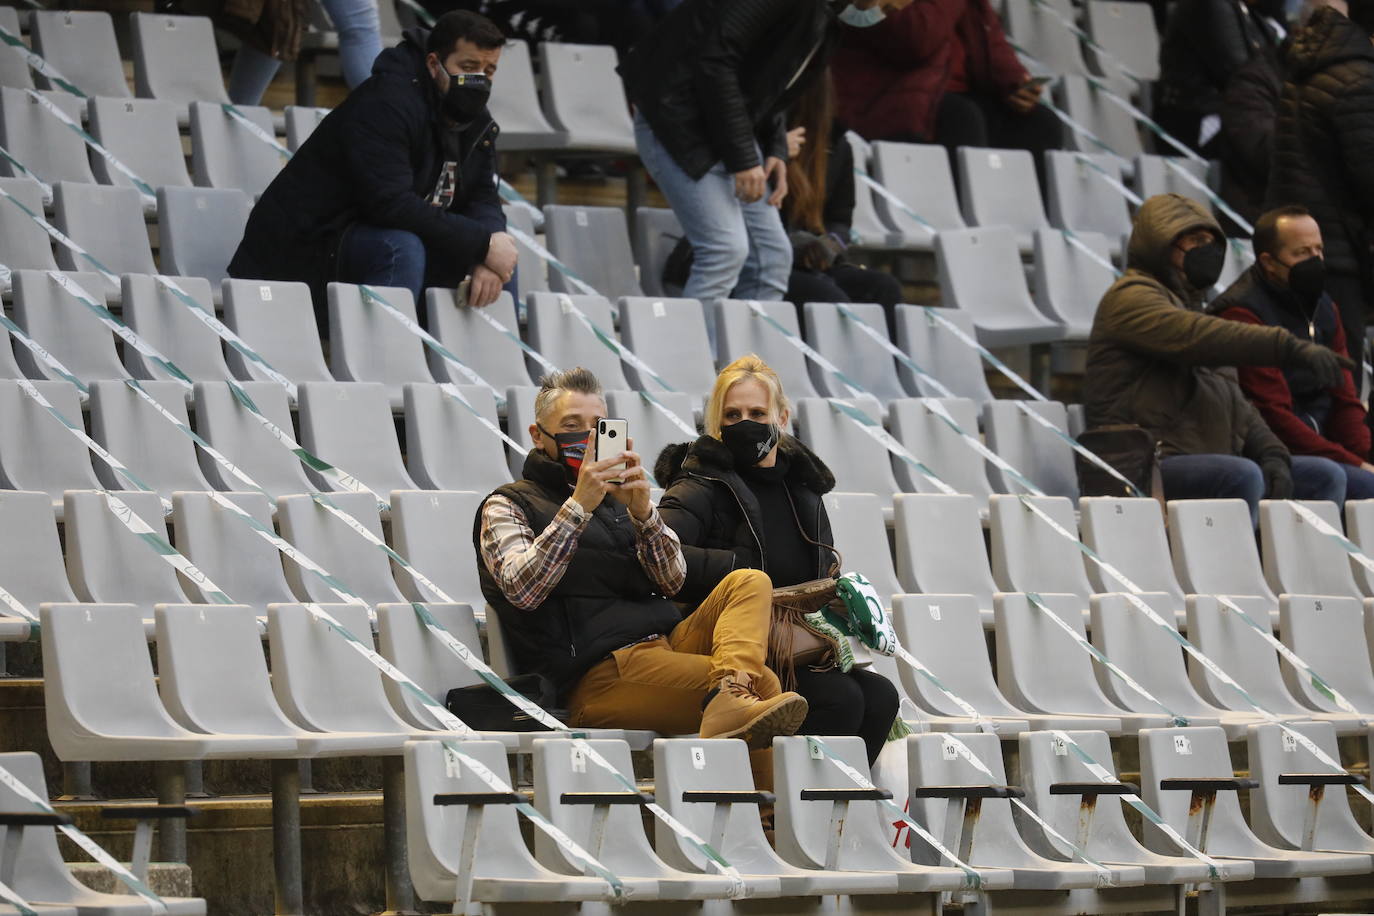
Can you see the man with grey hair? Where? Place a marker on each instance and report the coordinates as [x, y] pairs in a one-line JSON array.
[[580, 570]]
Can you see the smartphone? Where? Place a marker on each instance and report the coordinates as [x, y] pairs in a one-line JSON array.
[[1038, 81], [612, 436]]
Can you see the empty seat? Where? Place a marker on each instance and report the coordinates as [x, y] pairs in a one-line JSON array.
[[532, 272], [657, 233], [232, 429], [322, 537], [1298, 558], [63, 326], [514, 104], [107, 563], [1028, 555], [1213, 545], [226, 154], [81, 45], [367, 344], [227, 549], [1000, 189], [199, 228], [980, 273], [141, 133], [584, 98], [856, 354], [405, 641], [860, 463], [595, 244], [1090, 107], [866, 228], [1327, 633], [557, 333], [349, 425], [920, 177], [519, 417], [1080, 196], [161, 455], [447, 446], [1127, 36], [1279, 813], [489, 353], [108, 223], [169, 58], [301, 121], [861, 537], [14, 67], [423, 530], [278, 321], [1359, 525], [26, 245], [940, 547], [1160, 175], [740, 331], [1129, 534], [46, 146], [935, 349], [1042, 34], [1043, 458], [31, 563], [160, 317], [1068, 282], [36, 451], [649, 428], [927, 436], [669, 335]]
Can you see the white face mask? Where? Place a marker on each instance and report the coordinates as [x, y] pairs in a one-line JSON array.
[[861, 19]]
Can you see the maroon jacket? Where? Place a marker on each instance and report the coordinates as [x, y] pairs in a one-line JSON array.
[[889, 77]]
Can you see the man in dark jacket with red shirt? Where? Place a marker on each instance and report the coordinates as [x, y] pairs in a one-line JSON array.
[[1285, 288]]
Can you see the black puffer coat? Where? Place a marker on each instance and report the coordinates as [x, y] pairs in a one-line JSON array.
[[1324, 139], [716, 517], [1204, 44], [715, 77]]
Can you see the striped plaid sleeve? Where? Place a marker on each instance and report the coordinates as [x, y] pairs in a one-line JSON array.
[[660, 553], [528, 566]]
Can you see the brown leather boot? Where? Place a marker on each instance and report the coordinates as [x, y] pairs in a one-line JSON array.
[[734, 709]]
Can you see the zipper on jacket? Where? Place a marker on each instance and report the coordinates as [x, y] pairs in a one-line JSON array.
[[763, 559]]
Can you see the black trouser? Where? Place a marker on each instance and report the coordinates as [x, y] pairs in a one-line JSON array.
[[858, 703], [969, 119], [1349, 294], [845, 283]]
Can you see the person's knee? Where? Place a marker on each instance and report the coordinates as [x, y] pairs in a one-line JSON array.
[[747, 583], [724, 254], [879, 696], [1318, 478]]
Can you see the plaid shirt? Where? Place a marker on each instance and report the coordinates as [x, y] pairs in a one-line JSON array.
[[528, 567]]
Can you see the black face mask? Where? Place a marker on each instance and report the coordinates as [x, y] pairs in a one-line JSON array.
[[1307, 280], [749, 441], [572, 449], [1202, 265], [466, 96]]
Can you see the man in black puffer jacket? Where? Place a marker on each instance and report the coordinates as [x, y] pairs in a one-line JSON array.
[[396, 187], [1322, 149]]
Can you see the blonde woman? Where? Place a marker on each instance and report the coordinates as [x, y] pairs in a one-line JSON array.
[[748, 496]]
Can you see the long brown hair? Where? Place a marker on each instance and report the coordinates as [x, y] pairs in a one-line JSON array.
[[815, 110]]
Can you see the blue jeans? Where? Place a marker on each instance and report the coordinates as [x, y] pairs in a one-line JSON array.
[[382, 257], [1232, 477], [360, 41], [738, 249], [1359, 483]]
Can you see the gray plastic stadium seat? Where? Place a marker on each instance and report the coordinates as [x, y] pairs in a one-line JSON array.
[[36, 451], [1193, 753], [301, 121], [231, 428], [1069, 284], [938, 447], [1041, 669], [1044, 36], [161, 455], [480, 347], [585, 99], [26, 245], [937, 351], [595, 243], [1126, 31], [1299, 559], [9, 369], [1113, 125], [860, 535], [1038, 454], [45, 145], [169, 58], [1000, 189], [447, 448], [363, 568], [277, 320], [64, 327], [228, 550], [41, 874], [857, 355], [1080, 197], [805, 830], [199, 228], [1327, 634], [141, 133], [563, 340], [1214, 550], [919, 175], [81, 45], [14, 70], [108, 223], [163, 320], [625, 851], [532, 273], [1278, 812], [739, 332], [860, 464], [996, 842], [515, 104], [650, 430], [31, 563], [657, 232], [1046, 761], [1155, 175], [423, 526], [366, 344], [503, 870], [349, 425], [940, 548], [225, 154], [519, 416], [866, 227], [403, 640], [1359, 526], [670, 335], [1129, 534], [1239, 256], [1027, 555], [980, 273]]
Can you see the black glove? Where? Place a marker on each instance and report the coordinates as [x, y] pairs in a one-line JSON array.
[[1323, 362], [1278, 476]]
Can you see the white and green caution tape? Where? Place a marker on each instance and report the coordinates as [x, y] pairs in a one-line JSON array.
[[38, 65], [42, 354], [1089, 253], [1111, 180], [9, 895], [426, 18], [170, 555], [887, 195], [552, 260], [255, 129], [62, 239], [509, 194], [145, 189], [1032, 414], [1140, 116], [1102, 53], [1211, 195], [500, 328], [25, 173], [933, 315]]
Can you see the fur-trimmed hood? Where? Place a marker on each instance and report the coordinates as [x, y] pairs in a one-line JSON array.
[[709, 457]]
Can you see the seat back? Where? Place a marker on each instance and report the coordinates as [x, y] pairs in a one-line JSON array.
[[940, 548], [1030, 556], [860, 464], [235, 433], [38, 860], [1213, 543], [199, 228], [226, 154], [1158, 175], [1087, 105], [651, 430], [1000, 189], [1327, 633], [1241, 652], [432, 530], [938, 447], [277, 319], [1299, 559], [31, 562], [740, 332], [935, 349], [27, 246], [1145, 651], [1128, 534], [514, 103], [14, 67], [857, 355], [1359, 526], [519, 417], [367, 344], [1126, 34], [856, 520], [228, 550], [322, 537], [107, 222], [1039, 666], [533, 272], [62, 325], [1278, 813], [46, 146], [584, 97], [560, 336], [129, 427], [447, 447], [945, 633], [169, 58], [657, 233], [980, 273], [670, 336], [489, 353], [1043, 458], [1080, 197], [1047, 760], [36, 451], [349, 425], [301, 121], [919, 175], [595, 244], [141, 133], [1043, 35], [1068, 283], [1170, 753], [160, 317], [81, 46], [407, 643], [866, 228]]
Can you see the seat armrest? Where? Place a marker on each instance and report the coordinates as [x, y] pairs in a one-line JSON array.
[[606, 798], [855, 794], [477, 798], [734, 797], [1208, 784], [968, 792], [1094, 788], [1319, 779], [33, 819]]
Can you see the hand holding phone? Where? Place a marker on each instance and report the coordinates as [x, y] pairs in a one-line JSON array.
[[612, 438]]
